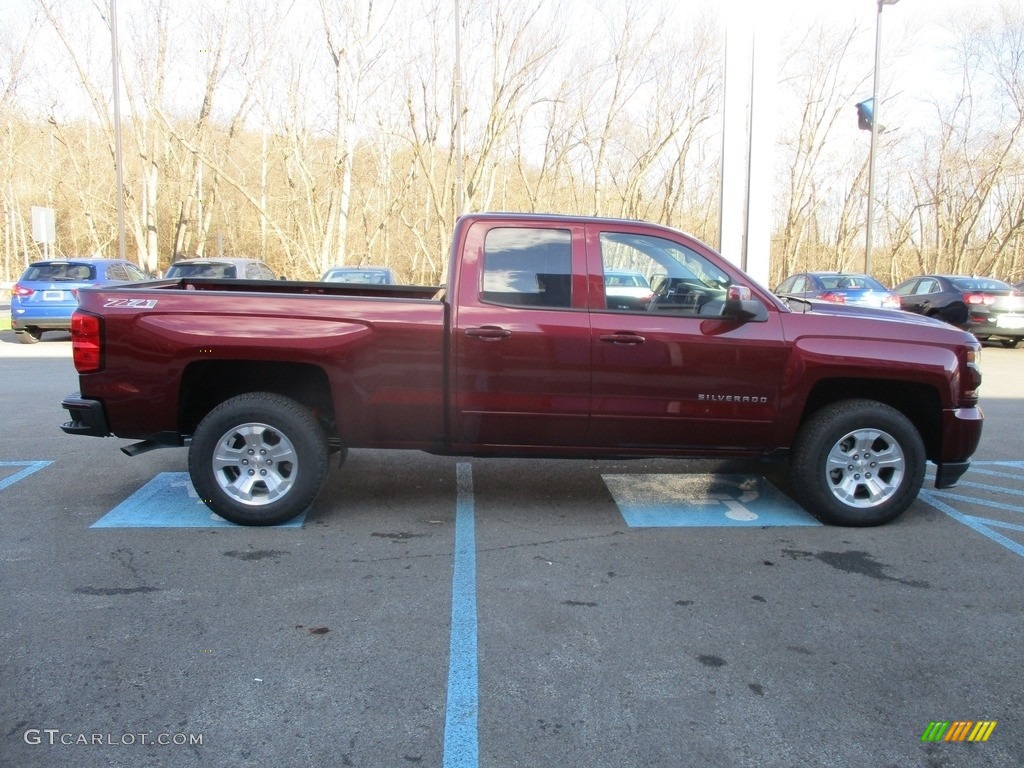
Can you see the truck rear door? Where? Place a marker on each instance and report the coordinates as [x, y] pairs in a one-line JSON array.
[[670, 372], [520, 368]]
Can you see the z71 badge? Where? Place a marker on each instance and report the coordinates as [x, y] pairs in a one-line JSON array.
[[131, 303]]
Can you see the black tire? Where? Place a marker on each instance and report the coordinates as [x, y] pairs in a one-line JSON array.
[[258, 459], [29, 335], [857, 463], [1010, 343]]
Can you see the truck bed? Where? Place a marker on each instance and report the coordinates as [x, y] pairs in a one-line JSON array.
[[297, 287]]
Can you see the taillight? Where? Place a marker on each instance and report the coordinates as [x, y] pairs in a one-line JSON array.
[[979, 298], [837, 298], [891, 302], [21, 290], [85, 342]]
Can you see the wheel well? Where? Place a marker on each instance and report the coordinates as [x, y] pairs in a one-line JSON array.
[[206, 384], [918, 402]]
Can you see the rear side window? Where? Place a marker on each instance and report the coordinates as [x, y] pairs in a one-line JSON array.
[[125, 272], [71, 273], [528, 267]]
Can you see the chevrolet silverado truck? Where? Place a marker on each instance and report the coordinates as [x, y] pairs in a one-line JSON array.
[[527, 352]]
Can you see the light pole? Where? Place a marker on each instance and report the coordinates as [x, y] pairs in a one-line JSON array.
[[117, 130], [874, 136]]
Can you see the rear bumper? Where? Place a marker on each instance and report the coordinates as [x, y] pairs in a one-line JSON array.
[[48, 318], [961, 433], [87, 417]]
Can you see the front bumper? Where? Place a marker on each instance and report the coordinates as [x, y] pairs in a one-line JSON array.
[[961, 433], [87, 417]]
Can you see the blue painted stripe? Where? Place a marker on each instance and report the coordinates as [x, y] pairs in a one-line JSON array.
[[981, 502], [994, 488], [1017, 464], [30, 467], [998, 523], [992, 473], [461, 740], [975, 523]]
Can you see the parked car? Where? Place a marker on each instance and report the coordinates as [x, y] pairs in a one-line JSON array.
[[369, 275], [246, 269], [47, 293], [839, 288], [626, 290], [986, 307]]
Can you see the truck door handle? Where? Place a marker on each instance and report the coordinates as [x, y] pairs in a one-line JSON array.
[[488, 333], [623, 338]]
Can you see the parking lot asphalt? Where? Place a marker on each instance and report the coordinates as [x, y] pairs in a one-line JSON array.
[[452, 612]]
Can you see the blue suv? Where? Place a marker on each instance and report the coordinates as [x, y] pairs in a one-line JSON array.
[[46, 295]]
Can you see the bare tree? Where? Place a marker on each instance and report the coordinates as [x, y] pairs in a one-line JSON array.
[[356, 36], [816, 75]]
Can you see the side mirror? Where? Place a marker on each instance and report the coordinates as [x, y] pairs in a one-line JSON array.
[[739, 305]]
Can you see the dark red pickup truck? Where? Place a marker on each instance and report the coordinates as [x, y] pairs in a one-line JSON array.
[[556, 336]]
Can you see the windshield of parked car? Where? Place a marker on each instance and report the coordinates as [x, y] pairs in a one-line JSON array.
[[60, 272], [201, 270]]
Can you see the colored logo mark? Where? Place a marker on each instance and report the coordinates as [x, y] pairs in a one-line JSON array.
[[959, 730]]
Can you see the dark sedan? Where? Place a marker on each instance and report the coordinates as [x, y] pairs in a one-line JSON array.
[[839, 288], [986, 307]]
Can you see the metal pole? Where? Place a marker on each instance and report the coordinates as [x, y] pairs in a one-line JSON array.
[[117, 129], [459, 181], [874, 138], [875, 112]]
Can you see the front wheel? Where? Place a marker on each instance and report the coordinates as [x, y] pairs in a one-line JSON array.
[[857, 463], [258, 459]]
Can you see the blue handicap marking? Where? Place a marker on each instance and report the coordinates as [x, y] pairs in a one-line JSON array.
[[170, 501], [994, 487], [671, 501], [27, 468]]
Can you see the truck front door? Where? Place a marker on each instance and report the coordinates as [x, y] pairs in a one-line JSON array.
[[670, 371]]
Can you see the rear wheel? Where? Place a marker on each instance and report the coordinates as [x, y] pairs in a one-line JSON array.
[[258, 459], [29, 335], [857, 463], [1010, 343]]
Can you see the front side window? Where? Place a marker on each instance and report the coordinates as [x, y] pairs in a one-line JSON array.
[[527, 267], [680, 280]]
